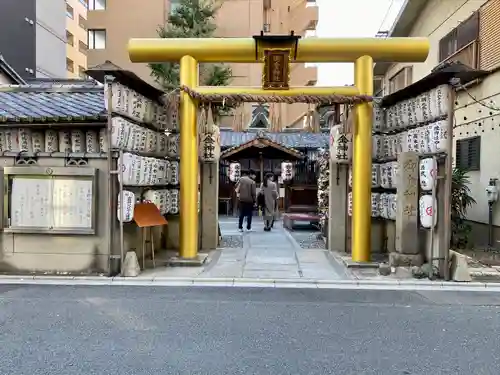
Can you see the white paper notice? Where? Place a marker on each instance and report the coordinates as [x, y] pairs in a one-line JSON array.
[[72, 203]]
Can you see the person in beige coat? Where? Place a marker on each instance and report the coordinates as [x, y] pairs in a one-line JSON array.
[[268, 195]]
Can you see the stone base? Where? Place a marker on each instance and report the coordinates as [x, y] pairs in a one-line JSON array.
[[405, 260], [349, 263], [187, 262]]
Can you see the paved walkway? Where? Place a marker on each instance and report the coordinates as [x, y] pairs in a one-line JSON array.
[[270, 255]]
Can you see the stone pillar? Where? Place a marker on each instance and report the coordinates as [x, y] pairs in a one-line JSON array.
[[209, 206], [407, 252], [337, 212]]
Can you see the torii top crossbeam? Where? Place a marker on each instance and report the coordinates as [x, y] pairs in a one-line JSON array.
[[242, 50]]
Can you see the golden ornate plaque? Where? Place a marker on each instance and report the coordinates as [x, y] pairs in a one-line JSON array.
[[276, 75]]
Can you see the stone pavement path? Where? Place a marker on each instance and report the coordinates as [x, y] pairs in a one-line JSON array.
[[270, 255]]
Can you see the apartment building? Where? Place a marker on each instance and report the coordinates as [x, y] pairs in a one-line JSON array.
[[33, 37], [76, 38], [467, 31], [111, 23]]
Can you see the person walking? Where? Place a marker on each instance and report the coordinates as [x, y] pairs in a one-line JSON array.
[[247, 196], [269, 194], [276, 208]]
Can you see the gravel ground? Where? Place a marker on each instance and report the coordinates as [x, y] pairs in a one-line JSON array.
[[231, 241], [308, 239]]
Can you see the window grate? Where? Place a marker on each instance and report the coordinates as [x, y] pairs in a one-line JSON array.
[[468, 153]]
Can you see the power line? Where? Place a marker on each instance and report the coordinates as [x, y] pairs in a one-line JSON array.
[[386, 15]]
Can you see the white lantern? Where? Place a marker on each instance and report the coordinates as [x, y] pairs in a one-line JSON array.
[[174, 201], [413, 140], [340, 145], [128, 204], [78, 141], [385, 147], [25, 140], [392, 206], [375, 204], [64, 141], [287, 171], [375, 175], [384, 205], [174, 173], [378, 116], [412, 112], [403, 116], [376, 147], [153, 196], [349, 204], [399, 116], [385, 175], [393, 174], [173, 145], [439, 135], [428, 211], [428, 172], [37, 141], [209, 147], [390, 118], [234, 172]]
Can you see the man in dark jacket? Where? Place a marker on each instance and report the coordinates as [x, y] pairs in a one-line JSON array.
[[247, 194]]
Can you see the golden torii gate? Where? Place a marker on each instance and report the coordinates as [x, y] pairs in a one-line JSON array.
[[362, 51]]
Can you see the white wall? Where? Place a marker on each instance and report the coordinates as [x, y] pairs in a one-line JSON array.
[[437, 19], [51, 38]]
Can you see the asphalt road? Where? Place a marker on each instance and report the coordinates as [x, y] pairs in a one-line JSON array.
[[188, 331]]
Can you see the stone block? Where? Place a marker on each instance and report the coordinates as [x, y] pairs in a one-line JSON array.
[[405, 260]]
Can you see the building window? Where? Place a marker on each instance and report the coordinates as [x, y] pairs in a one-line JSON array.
[[81, 72], [401, 79], [85, 3], [69, 11], [468, 153], [460, 44], [97, 39], [97, 4], [70, 65], [82, 22], [82, 47], [70, 39]]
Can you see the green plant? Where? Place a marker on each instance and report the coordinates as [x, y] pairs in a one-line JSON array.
[[191, 19], [461, 201]]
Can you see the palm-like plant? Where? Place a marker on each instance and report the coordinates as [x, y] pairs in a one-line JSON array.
[[461, 201], [191, 19]]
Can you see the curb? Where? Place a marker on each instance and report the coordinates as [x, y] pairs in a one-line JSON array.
[[407, 285]]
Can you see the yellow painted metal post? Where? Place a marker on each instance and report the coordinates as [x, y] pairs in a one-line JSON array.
[[362, 163], [189, 162]]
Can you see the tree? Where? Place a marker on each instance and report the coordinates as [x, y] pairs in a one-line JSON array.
[[191, 19], [461, 201]]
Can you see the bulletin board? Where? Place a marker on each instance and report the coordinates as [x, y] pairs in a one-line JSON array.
[[53, 200]]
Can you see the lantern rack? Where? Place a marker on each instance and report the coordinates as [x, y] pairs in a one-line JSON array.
[[151, 142]]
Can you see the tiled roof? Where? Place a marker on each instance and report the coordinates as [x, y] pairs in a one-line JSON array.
[[291, 139], [81, 103], [59, 103]]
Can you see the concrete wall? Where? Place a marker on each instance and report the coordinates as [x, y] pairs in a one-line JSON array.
[[23, 253], [51, 38]]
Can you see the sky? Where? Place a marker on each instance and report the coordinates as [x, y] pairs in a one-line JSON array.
[[351, 19]]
